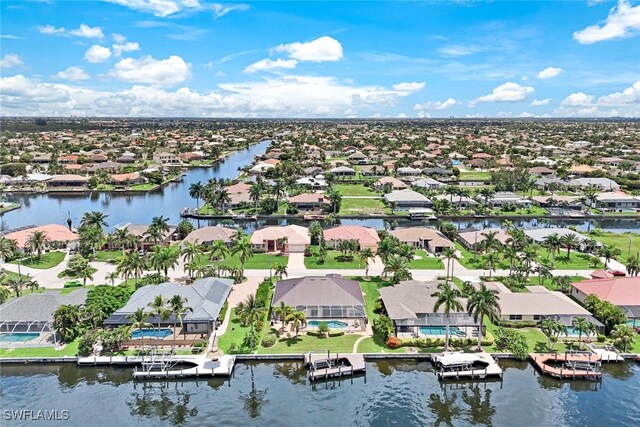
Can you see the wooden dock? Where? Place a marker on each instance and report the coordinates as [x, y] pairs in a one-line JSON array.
[[328, 365], [467, 369], [583, 366]]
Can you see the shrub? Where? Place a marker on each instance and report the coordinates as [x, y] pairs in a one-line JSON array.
[[344, 258], [268, 341], [313, 333], [393, 342], [323, 328], [601, 338], [382, 327], [307, 252], [233, 347], [513, 341], [379, 307], [85, 345], [200, 344], [336, 333]]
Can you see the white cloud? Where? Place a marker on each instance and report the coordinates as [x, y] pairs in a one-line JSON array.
[[540, 102], [170, 71], [82, 31], [623, 104], [319, 50], [97, 53], [409, 86], [270, 65], [9, 36], [459, 50], [118, 38], [423, 114], [402, 116], [10, 60], [549, 73], [285, 96], [73, 74], [507, 92], [525, 114], [163, 8], [623, 21], [119, 48], [436, 105]]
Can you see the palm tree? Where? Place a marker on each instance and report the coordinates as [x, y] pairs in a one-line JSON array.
[[96, 220], [178, 308], [609, 253], [121, 237], [66, 321], [112, 277], [490, 241], [633, 265], [552, 241], [447, 296], [139, 321], [250, 312], [483, 302], [242, 247], [164, 258], [159, 308], [278, 191], [282, 311], [490, 261], [569, 241], [624, 336], [365, 255], [37, 242], [552, 328], [510, 253], [7, 249], [191, 251], [279, 270], [399, 266], [299, 320], [255, 192], [18, 282], [85, 272], [131, 264], [581, 325], [160, 223], [196, 191], [385, 248], [449, 254]]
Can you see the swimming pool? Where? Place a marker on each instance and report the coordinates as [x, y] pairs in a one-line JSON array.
[[151, 333], [573, 332], [441, 330], [18, 336], [333, 324]]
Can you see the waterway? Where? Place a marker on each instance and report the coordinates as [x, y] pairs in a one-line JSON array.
[[139, 208], [403, 393]]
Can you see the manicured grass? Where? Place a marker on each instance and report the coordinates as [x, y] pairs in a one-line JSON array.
[[375, 345], [474, 176], [70, 349], [46, 261], [306, 343], [536, 340], [370, 288], [361, 206], [62, 274], [479, 263], [256, 262], [235, 333], [576, 260], [4, 207], [533, 210], [425, 262], [108, 256], [628, 243], [354, 190], [208, 210], [330, 261], [105, 187], [143, 187], [547, 283]]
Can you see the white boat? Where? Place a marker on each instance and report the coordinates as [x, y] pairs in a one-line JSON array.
[[465, 365]]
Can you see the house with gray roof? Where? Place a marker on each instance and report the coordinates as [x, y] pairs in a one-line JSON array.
[[429, 183], [323, 298], [603, 184], [407, 199], [205, 297]]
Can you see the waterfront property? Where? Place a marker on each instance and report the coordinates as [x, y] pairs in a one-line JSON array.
[[208, 235], [621, 291], [472, 239], [365, 237], [331, 299], [617, 202], [205, 298], [144, 240], [286, 239], [409, 305], [424, 238], [58, 236], [27, 321], [407, 199]]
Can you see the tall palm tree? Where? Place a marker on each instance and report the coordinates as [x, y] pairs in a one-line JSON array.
[[37, 242], [552, 241], [483, 302], [255, 192], [366, 254], [178, 309], [132, 264], [448, 297], [96, 220], [251, 313], [282, 311], [8, 248], [569, 241], [191, 251], [581, 325], [490, 241], [139, 321], [242, 247], [85, 272], [163, 258], [449, 254], [609, 253], [280, 270], [490, 261], [298, 318], [159, 308], [122, 237], [398, 266], [195, 191]]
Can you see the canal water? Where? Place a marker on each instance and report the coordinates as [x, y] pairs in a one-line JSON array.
[[168, 201], [402, 393]]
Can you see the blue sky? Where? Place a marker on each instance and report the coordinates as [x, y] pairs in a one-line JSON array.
[[320, 59]]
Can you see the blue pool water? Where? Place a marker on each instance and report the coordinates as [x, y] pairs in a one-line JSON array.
[[573, 332], [151, 333], [333, 324], [441, 330], [18, 336]]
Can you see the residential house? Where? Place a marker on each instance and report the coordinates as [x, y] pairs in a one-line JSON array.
[[474, 238], [343, 171], [365, 237], [502, 198], [69, 181], [602, 184], [621, 291], [208, 235], [407, 199], [426, 238], [395, 183], [617, 202], [428, 183], [285, 239], [58, 235], [309, 201]]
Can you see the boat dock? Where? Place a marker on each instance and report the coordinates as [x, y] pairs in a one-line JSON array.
[[606, 353], [578, 365], [327, 365], [167, 366], [456, 365]]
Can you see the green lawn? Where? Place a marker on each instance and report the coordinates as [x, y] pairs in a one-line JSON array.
[[474, 176], [533, 210], [354, 190], [628, 243], [370, 288], [374, 345], [425, 262], [330, 261], [62, 274], [576, 260], [46, 261], [306, 343], [143, 187], [256, 262], [4, 207], [468, 262], [536, 340], [361, 206], [70, 349], [234, 335], [108, 256]]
